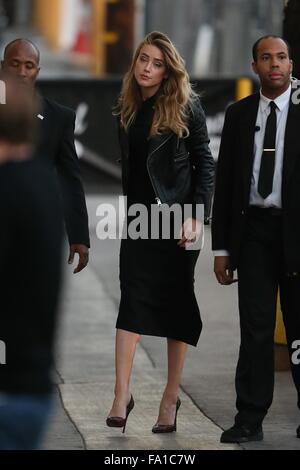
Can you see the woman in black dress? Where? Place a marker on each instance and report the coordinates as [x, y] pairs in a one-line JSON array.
[[165, 160]]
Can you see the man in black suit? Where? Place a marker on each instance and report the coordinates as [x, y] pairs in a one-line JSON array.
[[256, 229], [56, 146]]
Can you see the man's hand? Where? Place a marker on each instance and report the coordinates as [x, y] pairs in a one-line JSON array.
[[222, 270], [83, 253], [189, 233]]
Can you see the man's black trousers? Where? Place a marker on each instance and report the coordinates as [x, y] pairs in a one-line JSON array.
[[261, 271]]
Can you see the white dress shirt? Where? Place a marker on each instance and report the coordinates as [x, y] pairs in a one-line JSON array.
[[274, 199]]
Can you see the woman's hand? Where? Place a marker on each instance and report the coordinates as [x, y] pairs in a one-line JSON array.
[[189, 233]]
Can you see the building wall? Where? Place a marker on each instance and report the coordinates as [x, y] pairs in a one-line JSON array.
[[215, 36]]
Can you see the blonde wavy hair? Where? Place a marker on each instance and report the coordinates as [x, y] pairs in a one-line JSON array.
[[174, 96]]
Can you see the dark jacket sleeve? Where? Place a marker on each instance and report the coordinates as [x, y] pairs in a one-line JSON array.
[[201, 158], [223, 191], [68, 169]]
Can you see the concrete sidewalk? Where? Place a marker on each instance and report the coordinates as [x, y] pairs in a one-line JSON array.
[[86, 371], [86, 366]]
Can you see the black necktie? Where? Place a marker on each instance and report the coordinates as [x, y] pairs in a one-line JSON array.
[[266, 172]]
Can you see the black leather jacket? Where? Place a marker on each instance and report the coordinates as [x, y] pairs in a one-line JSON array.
[[181, 170]]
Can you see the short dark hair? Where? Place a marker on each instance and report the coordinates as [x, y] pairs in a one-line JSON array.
[[256, 44], [22, 40]]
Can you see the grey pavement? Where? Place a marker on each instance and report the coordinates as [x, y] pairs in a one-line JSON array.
[[85, 367]]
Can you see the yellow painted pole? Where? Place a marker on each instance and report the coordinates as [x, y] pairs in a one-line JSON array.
[[47, 16], [98, 32], [243, 88], [37, 14], [280, 336], [101, 37], [282, 361]]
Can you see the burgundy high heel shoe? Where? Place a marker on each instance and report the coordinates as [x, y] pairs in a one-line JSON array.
[[117, 421], [162, 428]]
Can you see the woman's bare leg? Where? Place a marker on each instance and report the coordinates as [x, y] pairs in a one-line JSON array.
[[126, 343], [176, 357]]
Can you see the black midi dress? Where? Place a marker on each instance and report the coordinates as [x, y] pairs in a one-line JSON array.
[[156, 275]]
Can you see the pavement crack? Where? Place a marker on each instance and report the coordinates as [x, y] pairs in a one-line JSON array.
[[203, 412], [59, 375], [71, 419]]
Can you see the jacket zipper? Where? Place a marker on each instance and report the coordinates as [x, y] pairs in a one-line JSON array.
[[182, 157], [158, 200]]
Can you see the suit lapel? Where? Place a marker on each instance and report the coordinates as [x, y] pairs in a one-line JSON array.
[[246, 142], [47, 139], [291, 142], [42, 114], [43, 107], [43, 123]]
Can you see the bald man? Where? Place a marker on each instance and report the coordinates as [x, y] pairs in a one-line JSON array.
[[56, 146]]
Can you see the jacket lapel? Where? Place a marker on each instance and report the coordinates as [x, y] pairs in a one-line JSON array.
[[42, 116], [158, 141], [291, 142], [154, 143], [246, 143]]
